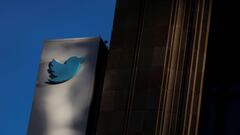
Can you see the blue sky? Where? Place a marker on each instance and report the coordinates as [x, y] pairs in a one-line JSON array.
[[24, 25]]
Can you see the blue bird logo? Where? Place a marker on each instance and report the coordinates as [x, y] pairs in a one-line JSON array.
[[59, 73]]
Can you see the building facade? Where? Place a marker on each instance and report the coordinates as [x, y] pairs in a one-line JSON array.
[[154, 76]]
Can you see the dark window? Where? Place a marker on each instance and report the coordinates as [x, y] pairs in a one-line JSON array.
[[220, 112]]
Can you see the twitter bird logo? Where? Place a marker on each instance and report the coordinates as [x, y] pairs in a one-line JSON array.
[[59, 73]]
